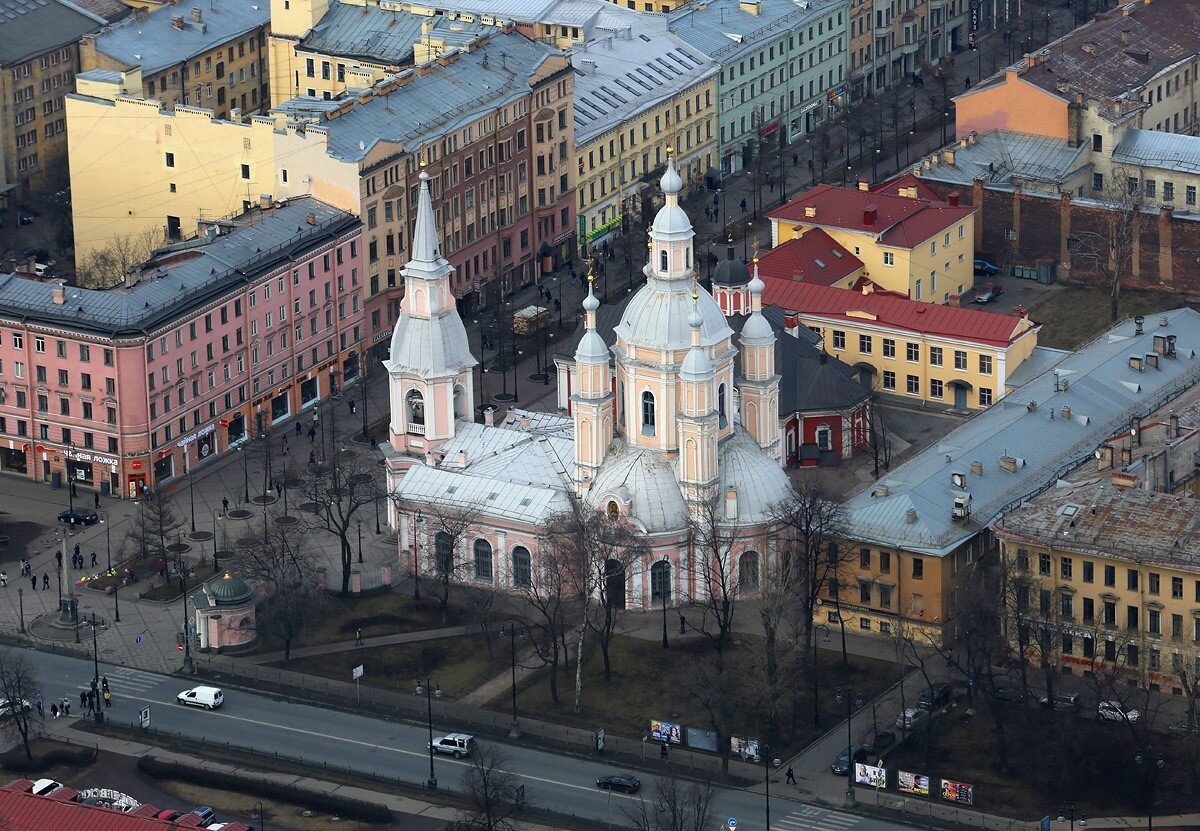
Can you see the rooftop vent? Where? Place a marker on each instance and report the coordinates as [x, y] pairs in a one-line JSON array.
[[1066, 413], [910, 516], [880, 490], [1011, 463], [1137, 324], [1151, 360], [977, 468], [958, 480], [962, 507], [1135, 363]]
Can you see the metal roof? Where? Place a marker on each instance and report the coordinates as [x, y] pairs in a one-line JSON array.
[[631, 70], [429, 106], [1046, 429], [26, 811], [1006, 157], [1166, 151], [383, 34], [33, 27], [229, 261], [724, 30], [155, 44]]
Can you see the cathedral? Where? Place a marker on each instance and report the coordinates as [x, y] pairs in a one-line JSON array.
[[673, 427]]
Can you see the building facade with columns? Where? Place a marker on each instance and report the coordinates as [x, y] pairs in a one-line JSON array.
[[674, 430]]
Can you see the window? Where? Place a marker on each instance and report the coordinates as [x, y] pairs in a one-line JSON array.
[[935, 356], [960, 359], [985, 397], [1131, 579], [913, 352], [889, 380], [839, 339], [1097, 143], [864, 592], [648, 413], [918, 568], [913, 385], [864, 558], [660, 582], [1190, 195], [416, 412], [1154, 621], [1177, 587], [170, 159], [1066, 605], [1154, 583], [885, 562], [1044, 564], [1168, 193], [985, 364], [889, 259], [748, 572], [443, 553], [889, 348], [1089, 572], [722, 417], [936, 388], [522, 568], [1089, 610], [885, 596], [864, 344], [1110, 576], [1064, 567]]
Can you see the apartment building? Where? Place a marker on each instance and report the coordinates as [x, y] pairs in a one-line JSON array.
[[891, 42], [487, 120], [783, 68], [134, 386], [945, 356], [640, 93], [920, 530], [212, 56], [917, 247], [39, 57], [1105, 581]]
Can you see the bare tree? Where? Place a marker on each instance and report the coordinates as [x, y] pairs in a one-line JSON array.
[[723, 695], [549, 590], [18, 684], [494, 795], [450, 527], [713, 557], [285, 567], [156, 520], [108, 265], [676, 806]]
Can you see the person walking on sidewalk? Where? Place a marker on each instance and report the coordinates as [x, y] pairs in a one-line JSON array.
[[791, 777], [41, 709], [3, 579], [83, 699], [299, 429], [96, 496], [93, 559], [225, 504], [358, 637], [45, 580], [107, 698], [53, 710], [743, 204], [33, 581]]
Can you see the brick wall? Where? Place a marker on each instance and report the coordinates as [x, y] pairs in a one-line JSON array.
[[1167, 257]]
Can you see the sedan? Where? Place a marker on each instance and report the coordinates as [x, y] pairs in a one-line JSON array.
[[619, 782], [848, 758], [912, 718], [984, 268], [1008, 694], [990, 292], [934, 697], [1062, 701], [877, 741], [1114, 711], [79, 516]]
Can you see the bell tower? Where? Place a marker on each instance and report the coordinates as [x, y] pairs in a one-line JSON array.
[[760, 384], [697, 419], [591, 405]]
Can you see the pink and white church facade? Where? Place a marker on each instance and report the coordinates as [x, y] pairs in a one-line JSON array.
[[657, 435]]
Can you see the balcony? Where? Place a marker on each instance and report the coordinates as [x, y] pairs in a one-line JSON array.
[[909, 48]]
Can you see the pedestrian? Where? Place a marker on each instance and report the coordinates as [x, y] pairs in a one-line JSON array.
[[45, 580], [66, 706], [298, 427], [278, 489], [795, 159], [791, 776], [93, 559], [312, 457], [351, 406], [312, 434], [743, 204], [33, 581], [76, 549], [53, 710], [225, 504], [358, 637], [88, 702], [107, 698], [41, 709], [58, 556], [96, 496], [285, 445], [83, 699], [104, 683], [662, 751], [716, 214], [3, 579], [967, 83]]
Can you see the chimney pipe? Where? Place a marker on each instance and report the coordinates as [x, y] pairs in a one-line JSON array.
[[869, 214]]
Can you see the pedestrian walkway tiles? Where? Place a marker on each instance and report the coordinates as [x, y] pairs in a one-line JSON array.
[[809, 818], [126, 680]]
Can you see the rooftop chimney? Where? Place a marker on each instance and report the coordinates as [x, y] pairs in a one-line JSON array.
[[58, 293], [311, 219], [869, 213], [810, 211], [197, 16], [791, 322], [177, 21], [952, 198]]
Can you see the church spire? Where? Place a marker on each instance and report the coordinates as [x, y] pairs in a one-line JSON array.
[[591, 349], [425, 239]]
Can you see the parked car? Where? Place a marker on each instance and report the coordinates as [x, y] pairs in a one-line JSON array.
[[847, 759], [206, 814], [912, 719], [1008, 694], [7, 708], [169, 814], [210, 698], [1062, 702], [79, 516], [985, 268], [1115, 711], [41, 269], [1184, 728], [25, 217], [619, 782], [877, 741], [989, 293], [45, 787], [936, 696], [455, 744]]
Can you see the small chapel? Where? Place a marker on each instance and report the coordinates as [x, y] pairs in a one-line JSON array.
[[676, 423]]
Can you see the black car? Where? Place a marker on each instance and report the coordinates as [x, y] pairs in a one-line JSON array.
[[79, 516], [877, 741], [847, 759], [1008, 694], [620, 782], [934, 697]]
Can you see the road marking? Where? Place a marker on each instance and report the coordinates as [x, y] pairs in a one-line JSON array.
[[126, 679], [422, 755], [810, 818]]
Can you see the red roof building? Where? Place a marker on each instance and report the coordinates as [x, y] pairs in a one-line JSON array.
[[24, 810], [909, 185], [814, 257]]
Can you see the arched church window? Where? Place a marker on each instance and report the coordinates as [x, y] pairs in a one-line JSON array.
[[483, 560], [522, 568], [415, 402], [662, 261], [687, 257], [660, 582], [443, 553], [460, 402], [647, 413], [614, 510], [748, 572], [722, 418]]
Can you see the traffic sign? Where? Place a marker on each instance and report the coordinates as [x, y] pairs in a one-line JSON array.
[[144, 718], [357, 672], [138, 640], [732, 824]]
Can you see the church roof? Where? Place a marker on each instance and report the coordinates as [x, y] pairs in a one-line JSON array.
[[647, 482]]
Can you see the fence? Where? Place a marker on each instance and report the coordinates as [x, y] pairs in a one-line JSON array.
[[461, 716], [930, 812]]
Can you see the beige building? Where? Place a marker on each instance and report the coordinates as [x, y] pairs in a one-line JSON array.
[[39, 57], [211, 56]]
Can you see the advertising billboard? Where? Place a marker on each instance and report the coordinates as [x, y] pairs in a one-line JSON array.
[[743, 747], [698, 739], [665, 731], [959, 792], [870, 776], [913, 783]]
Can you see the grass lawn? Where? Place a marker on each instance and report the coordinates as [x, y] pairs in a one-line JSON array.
[[1053, 761], [649, 682], [170, 589], [458, 664], [1076, 314], [382, 613]]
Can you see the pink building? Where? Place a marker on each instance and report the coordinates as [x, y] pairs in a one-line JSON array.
[[133, 386]]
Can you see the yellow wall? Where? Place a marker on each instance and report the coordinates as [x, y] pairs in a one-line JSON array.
[[1011, 104], [120, 181], [26, 122], [1003, 361], [661, 6], [640, 145]]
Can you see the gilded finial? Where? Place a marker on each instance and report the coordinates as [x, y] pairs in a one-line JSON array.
[[695, 293], [591, 276], [754, 245], [670, 149], [423, 164], [649, 245]]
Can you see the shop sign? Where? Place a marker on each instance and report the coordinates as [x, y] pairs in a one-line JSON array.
[[90, 457], [381, 336], [199, 434]]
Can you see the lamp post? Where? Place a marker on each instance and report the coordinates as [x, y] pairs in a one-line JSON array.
[[106, 521], [214, 533], [432, 783], [360, 559], [1152, 762], [70, 482], [245, 448], [188, 666], [258, 807], [766, 754], [846, 691], [663, 597], [191, 486], [514, 729], [362, 382], [417, 558], [96, 674], [21, 601], [1068, 815]]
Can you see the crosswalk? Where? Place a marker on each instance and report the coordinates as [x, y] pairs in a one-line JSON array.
[[810, 818], [125, 680]]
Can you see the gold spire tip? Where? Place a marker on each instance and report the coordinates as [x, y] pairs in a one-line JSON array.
[[695, 293]]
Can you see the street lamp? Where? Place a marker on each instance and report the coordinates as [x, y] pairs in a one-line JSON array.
[[245, 449], [417, 558], [1152, 762], [96, 674], [21, 601], [514, 728], [432, 783], [662, 594], [360, 559], [1068, 815], [847, 692], [106, 521]]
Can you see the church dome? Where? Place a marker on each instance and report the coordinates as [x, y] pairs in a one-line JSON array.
[[731, 271], [759, 482], [657, 317], [229, 590], [647, 482]]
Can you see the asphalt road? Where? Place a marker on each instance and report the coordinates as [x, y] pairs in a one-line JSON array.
[[562, 783]]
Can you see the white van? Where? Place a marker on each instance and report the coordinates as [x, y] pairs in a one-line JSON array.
[[209, 698], [45, 787]]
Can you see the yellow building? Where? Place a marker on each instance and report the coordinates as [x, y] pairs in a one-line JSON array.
[[910, 245], [211, 56], [941, 355], [1105, 580], [621, 140]]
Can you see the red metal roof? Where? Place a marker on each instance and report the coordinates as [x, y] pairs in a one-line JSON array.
[[895, 311], [20, 809], [898, 220], [814, 257], [907, 180]]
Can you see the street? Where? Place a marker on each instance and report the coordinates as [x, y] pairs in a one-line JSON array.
[[321, 736]]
